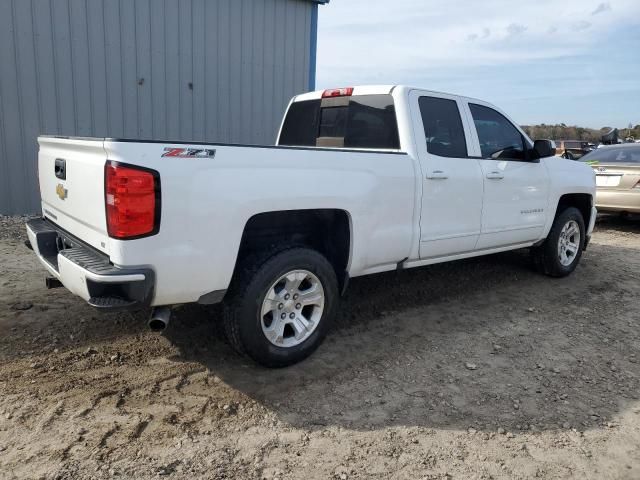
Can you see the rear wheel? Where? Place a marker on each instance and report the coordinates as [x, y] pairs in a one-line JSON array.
[[559, 255], [281, 306]]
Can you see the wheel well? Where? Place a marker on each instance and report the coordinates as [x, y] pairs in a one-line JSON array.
[[326, 230], [581, 201]]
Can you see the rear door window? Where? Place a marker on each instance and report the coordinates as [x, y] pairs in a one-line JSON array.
[[443, 127], [360, 121]]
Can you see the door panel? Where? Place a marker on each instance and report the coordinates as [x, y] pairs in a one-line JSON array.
[[515, 199], [451, 207], [516, 189], [452, 181]]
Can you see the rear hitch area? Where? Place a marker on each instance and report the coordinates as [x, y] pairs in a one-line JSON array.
[[160, 317]]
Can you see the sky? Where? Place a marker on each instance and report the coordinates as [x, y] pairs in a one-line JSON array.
[[564, 61]]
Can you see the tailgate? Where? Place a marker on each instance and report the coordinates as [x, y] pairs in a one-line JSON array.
[[71, 176]]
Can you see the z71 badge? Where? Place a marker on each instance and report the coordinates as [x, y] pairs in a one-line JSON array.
[[188, 152]]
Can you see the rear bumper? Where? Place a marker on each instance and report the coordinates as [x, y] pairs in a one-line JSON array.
[[618, 200], [88, 273]]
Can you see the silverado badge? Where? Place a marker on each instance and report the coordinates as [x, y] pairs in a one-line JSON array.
[[61, 191]]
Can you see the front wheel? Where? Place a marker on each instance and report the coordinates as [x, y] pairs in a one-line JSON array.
[[281, 306], [560, 254]]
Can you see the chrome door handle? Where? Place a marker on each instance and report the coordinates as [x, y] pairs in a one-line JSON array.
[[437, 175], [495, 175]]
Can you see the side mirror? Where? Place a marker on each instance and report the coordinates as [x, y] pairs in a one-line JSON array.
[[544, 148]]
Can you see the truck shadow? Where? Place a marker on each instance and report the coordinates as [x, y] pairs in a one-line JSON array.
[[484, 344]]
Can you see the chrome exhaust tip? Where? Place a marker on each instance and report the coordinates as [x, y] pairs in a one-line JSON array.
[[160, 317]]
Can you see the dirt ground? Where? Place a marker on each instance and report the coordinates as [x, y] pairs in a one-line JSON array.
[[474, 369]]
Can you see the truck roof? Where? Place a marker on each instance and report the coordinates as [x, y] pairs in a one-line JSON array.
[[377, 90]]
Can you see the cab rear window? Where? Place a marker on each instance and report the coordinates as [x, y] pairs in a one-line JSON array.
[[301, 124], [361, 121]]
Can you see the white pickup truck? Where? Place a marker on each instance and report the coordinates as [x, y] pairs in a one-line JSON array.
[[362, 180]]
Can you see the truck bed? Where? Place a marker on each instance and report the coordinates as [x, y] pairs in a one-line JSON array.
[[209, 191]]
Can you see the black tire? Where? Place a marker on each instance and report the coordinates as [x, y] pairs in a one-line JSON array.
[[546, 256], [252, 281]]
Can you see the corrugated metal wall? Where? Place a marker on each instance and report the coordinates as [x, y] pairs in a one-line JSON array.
[[201, 70]]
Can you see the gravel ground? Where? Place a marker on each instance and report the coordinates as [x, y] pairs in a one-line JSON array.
[[12, 227], [473, 369]]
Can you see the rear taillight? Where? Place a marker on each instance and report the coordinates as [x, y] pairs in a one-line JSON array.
[[132, 199], [338, 92]]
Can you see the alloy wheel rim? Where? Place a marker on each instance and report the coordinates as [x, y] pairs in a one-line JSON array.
[[292, 308], [569, 243]]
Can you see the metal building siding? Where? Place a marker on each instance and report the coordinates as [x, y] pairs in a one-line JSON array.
[[201, 70]]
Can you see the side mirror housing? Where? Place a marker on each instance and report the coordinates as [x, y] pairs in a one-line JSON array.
[[544, 148]]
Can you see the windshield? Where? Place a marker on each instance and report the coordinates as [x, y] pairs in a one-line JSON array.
[[626, 154]]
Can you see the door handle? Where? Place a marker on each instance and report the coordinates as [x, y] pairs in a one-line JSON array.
[[437, 175], [495, 175]]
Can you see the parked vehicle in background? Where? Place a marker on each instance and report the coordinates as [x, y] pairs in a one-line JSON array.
[[572, 149], [611, 137], [362, 180], [617, 170]]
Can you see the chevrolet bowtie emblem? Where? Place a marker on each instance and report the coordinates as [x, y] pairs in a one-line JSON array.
[[61, 191]]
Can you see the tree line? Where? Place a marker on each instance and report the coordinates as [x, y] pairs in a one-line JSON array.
[[572, 132]]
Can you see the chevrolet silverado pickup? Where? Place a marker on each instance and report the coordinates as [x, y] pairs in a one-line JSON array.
[[362, 180]]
